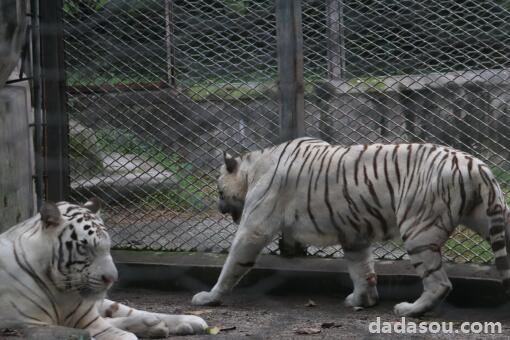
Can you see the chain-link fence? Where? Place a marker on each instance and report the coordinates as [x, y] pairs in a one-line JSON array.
[[158, 89]]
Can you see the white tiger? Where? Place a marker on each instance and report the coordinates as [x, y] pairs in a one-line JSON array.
[[55, 269], [319, 194]]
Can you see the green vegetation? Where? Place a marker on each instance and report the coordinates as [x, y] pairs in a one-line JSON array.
[[249, 87], [229, 91], [503, 178], [192, 187], [466, 246], [368, 83], [73, 7], [239, 7]]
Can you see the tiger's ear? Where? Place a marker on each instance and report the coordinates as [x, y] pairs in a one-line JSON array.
[[230, 162], [93, 204], [50, 215]]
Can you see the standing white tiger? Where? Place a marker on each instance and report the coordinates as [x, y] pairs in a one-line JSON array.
[[55, 269], [319, 194]]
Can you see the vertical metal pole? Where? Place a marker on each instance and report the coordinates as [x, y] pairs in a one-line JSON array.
[[53, 99], [291, 88], [290, 68], [170, 42], [36, 98]]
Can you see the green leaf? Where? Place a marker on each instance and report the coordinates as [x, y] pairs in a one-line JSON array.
[[212, 330]]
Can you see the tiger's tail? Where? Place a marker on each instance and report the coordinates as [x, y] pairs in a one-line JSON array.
[[497, 213], [506, 275], [499, 235]]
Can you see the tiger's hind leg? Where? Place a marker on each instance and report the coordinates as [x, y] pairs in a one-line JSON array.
[[424, 251], [361, 269]]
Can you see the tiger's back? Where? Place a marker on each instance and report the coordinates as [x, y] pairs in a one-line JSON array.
[[336, 194]]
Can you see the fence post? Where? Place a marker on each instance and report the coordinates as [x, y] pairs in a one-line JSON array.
[[336, 36], [291, 88], [53, 99], [290, 68]]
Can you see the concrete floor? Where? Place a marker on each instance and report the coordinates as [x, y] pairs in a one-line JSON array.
[[248, 313]]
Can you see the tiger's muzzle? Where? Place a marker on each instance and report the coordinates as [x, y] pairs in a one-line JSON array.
[[234, 208]]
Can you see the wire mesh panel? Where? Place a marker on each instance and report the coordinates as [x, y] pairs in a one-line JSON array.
[[157, 90], [412, 71]]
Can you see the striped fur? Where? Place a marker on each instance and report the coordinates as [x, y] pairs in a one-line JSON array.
[[320, 194], [55, 269]]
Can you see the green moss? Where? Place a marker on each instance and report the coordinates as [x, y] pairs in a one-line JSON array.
[[229, 91], [368, 83]]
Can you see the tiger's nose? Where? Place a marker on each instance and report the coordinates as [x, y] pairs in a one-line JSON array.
[[108, 279], [222, 207]]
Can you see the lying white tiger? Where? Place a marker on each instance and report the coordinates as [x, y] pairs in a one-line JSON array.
[[55, 269], [319, 194]]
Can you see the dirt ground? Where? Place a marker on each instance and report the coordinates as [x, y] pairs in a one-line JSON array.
[[260, 316]]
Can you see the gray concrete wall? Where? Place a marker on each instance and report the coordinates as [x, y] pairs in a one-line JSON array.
[[467, 110], [16, 185]]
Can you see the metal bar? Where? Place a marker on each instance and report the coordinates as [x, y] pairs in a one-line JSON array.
[[53, 99], [36, 102], [290, 68], [170, 41]]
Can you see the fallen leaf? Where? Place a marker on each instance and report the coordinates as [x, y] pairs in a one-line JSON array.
[[330, 325], [224, 329], [307, 330], [212, 330], [327, 324], [10, 332], [311, 303], [357, 308]]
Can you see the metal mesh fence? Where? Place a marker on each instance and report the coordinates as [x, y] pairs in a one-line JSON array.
[[158, 89]]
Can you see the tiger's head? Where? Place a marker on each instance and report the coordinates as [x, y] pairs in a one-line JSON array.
[[81, 260], [232, 188]]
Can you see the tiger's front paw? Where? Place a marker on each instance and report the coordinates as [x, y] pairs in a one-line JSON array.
[[185, 324], [368, 298], [206, 299], [146, 326]]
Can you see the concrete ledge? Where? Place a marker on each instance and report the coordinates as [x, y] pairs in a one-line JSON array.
[[492, 77], [275, 274]]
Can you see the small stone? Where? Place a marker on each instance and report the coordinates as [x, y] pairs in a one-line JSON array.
[[307, 330], [310, 303]]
